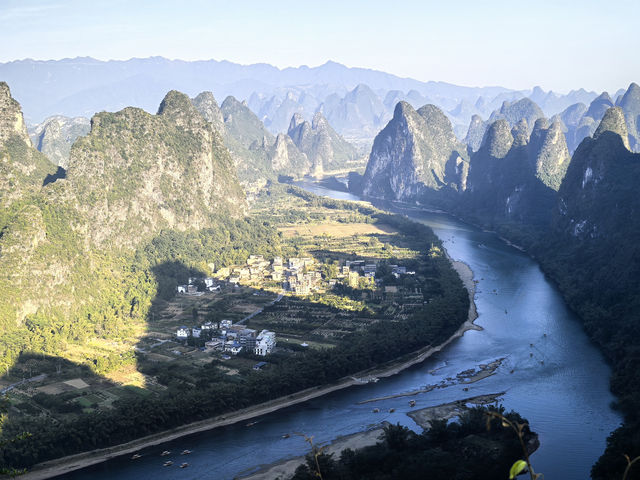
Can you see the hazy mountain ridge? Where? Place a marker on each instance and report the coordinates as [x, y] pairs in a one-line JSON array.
[[326, 150], [56, 134], [258, 156], [83, 86]]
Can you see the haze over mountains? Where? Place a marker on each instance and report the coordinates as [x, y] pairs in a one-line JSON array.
[[552, 172], [357, 102]]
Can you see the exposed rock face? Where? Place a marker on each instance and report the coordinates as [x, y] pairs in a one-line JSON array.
[[475, 133], [11, 119], [55, 135], [206, 104], [169, 170], [630, 104], [327, 151], [131, 176], [614, 121], [22, 167], [548, 149], [580, 122], [415, 153], [257, 155], [598, 198], [511, 112], [286, 157]]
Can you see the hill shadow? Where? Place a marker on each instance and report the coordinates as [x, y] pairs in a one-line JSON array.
[[93, 404]]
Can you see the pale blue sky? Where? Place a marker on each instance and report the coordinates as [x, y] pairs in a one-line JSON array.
[[559, 45]]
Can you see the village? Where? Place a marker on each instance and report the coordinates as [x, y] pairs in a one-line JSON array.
[[298, 276], [330, 282]]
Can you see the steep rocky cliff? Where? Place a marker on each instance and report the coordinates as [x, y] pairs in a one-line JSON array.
[[64, 246], [257, 155], [22, 168], [136, 173], [630, 104], [327, 151], [415, 154], [513, 176], [599, 194]]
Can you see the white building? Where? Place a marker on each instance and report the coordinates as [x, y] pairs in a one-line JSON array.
[[208, 282], [232, 347], [265, 343], [182, 333], [182, 289], [195, 331]]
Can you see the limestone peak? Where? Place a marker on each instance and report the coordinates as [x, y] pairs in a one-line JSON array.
[[613, 121]]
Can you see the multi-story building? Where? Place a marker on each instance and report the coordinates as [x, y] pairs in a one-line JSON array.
[[265, 343]]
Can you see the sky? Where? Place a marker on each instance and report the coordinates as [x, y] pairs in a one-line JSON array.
[[559, 45]]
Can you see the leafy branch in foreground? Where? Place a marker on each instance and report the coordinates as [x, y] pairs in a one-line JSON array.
[[520, 429], [316, 452], [629, 465]]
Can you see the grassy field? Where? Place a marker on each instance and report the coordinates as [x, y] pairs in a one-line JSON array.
[[338, 230]]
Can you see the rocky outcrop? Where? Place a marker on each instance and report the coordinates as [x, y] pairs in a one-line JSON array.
[[327, 151], [548, 153], [257, 155], [630, 104], [513, 112], [598, 198], [475, 133], [286, 158], [11, 120], [207, 105], [514, 177], [169, 170], [22, 168], [415, 154]]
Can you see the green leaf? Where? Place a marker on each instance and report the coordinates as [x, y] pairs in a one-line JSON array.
[[517, 468]]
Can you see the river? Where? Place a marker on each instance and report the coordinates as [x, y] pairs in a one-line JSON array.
[[552, 375]]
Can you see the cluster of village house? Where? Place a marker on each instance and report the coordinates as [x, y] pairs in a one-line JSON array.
[[298, 276], [232, 338]]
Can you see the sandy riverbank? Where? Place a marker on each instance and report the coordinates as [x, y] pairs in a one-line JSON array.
[[446, 411], [286, 468], [75, 462]]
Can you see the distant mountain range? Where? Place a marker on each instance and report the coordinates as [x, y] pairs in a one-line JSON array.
[[357, 102]]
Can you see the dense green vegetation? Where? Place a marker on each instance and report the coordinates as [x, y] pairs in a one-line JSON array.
[[587, 243], [168, 259], [460, 450]]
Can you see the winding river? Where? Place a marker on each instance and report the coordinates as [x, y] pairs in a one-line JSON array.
[[551, 374]]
